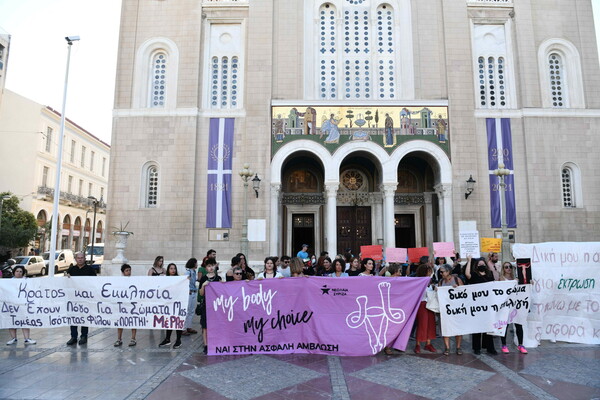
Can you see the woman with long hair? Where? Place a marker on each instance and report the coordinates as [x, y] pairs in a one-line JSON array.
[[425, 318], [171, 271], [211, 276], [508, 274], [249, 272], [270, 270], [477, 271], [324, 268], [448, 279], [354, 268], [19, 272], [157, 268], [190, 271], [368, 265]]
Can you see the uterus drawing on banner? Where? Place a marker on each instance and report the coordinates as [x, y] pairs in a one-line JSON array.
[[376, 318]]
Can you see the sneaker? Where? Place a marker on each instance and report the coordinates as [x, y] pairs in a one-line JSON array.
[[522, 349], [72, 341], [83, 340], [177, 345], [118, 343], [430, 348], [11, 341], [418, 349], [30, 341], [165, 342], [505, 350], [205, 351]]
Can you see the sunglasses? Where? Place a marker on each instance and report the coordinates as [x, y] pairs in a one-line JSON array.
[[237, 273], [507, 267]]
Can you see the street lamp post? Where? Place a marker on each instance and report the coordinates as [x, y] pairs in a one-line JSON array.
[[501, 173], [245, 174], [70, 40], [95, 202], [5, 197]]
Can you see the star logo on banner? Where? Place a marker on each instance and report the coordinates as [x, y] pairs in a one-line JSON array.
[[325, 289]]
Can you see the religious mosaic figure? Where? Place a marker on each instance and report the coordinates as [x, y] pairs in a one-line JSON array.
[[441, 129], [330, 127], [279, 133], [389, 130]]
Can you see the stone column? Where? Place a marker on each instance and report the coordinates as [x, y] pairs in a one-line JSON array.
[[444, 192], [275, 220], [389, 228], [331, 218], [428, 220]]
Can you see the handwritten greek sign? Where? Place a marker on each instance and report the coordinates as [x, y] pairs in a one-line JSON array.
[[469, 244], [489, 245], [343, 316], [565, 291], [139, 302], [485, 307]]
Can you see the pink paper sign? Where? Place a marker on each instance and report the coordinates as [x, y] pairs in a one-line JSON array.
[[443, 249], [396, 255]]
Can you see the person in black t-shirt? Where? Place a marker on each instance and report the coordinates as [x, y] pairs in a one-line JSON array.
[[80, 269], [477, 271]]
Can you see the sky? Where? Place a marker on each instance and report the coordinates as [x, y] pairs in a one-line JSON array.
[[38, 54]]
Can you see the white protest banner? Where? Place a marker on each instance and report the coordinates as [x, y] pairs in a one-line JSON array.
[[469, 244], [144, 302], [565, 293], [518, 303], [477, 308]]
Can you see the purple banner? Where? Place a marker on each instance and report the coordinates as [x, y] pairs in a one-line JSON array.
[[500, 151], [220, 154], [354, 316]]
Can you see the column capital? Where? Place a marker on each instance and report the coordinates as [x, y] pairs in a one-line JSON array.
[[388, 189], [427, 196], [331, 189], [443, 189]]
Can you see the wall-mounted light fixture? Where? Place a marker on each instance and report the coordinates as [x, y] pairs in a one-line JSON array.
[[470, 186], [256, 184]]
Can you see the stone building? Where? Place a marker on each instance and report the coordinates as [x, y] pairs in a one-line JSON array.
[[28, 152], [363, 119]]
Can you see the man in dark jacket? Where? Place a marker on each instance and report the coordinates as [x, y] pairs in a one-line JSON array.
[[80, 269]]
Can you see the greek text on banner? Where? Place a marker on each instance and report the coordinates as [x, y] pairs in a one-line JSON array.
[[143, 302]]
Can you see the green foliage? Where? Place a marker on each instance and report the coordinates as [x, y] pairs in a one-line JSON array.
[[18, 226]]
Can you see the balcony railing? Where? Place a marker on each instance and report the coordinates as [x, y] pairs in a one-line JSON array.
[[69, 198]]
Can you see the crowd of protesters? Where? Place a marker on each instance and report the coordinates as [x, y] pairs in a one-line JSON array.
[[440, 271]]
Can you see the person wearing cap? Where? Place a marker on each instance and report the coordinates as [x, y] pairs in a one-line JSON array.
[[303, 254]]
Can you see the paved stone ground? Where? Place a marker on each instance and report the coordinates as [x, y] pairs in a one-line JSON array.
[[52, 370]]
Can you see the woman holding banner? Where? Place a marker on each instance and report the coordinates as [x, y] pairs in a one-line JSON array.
[[368, 264], [476, 272], [425, 318], [171, 271], [448, 279], [19, 272], [338, 268], [270, 270], [508, 274], [354, 269]]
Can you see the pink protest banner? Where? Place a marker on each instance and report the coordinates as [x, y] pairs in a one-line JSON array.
[[354, 316], [374, 251], [415, 254], [396, 255], [443, 249]]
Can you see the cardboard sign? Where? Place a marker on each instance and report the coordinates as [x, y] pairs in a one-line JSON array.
[[396, 254], [374, 251], [491, 245], [443, 249], [415, 254], [469, 244]]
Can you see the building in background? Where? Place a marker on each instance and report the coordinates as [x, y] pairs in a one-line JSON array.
[[28, 156], [364, 119]]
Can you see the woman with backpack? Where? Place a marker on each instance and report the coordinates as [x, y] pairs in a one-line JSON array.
[[449, 279]]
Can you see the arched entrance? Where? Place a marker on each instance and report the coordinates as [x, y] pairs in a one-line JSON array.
[[358, 211], [99, 232], [88, 232], [40, 241], [77, 237], [302, 203], [66, 233]]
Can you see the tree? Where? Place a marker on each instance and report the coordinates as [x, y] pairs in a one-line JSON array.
[[350, 115], [369, 117], [18, 226], [376, 118]]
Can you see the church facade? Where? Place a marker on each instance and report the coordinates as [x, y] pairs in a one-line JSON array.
[[363, 120]]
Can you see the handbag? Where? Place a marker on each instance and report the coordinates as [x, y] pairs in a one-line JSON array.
[[432, 301]]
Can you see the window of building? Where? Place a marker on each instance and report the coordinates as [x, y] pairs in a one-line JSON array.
[[90, 187], [224, 70], [82, 156], [103, 166], [70, 185], [492, 73], [92, 155], [72, 158], [560, 74], [224, 82], [155, 78], [571, 186], [45, 176], [151, 186], [158, 80], [48, 139], [101, 192], [80, 191]]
